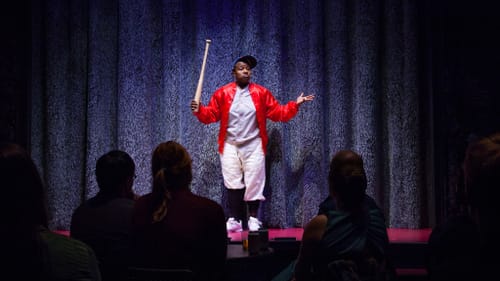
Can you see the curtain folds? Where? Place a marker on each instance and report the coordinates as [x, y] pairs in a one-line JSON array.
[[121, 74]]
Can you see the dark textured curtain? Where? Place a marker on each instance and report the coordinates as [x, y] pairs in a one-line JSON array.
[[121, 74]]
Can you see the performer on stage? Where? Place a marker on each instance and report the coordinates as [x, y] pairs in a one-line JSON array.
[[242, 107]]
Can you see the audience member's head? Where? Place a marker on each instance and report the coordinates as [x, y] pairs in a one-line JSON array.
[[25, 207], [347, 180], [482, 181], [115, 172], [171, 168], [23, 211], [462, 247]]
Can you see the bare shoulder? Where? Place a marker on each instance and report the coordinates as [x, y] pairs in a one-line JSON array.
[[315, 228]]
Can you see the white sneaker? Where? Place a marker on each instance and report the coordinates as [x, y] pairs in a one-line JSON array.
[[233, 225], [254, 224]]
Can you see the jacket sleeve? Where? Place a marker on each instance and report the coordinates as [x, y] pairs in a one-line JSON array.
[[212, 111], [278, 112]]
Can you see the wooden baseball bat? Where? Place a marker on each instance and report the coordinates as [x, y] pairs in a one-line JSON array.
[[197, 94]]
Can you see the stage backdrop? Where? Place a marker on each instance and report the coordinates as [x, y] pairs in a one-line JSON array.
[[121, 75]]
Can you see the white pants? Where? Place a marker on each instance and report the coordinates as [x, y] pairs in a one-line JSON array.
[[245, 166]]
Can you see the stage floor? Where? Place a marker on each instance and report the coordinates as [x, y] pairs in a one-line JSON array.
[[407, 249], [396, 235]]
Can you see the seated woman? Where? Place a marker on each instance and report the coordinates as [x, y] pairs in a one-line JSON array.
[[174, 228], [465, 246], [32, 251], [348, 242]]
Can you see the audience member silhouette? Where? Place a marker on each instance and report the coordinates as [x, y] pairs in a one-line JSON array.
[[31, 251], [348, 235], [104, 221], [466, 245], [174, 228], [329, 204]]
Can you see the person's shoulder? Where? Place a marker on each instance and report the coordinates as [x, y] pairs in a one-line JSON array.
[[226, 87], [123, 202], [80, 209], [69, 257], [206, 201], [315, 228], [87, 204], [144, 198], [257, 87], [317, 221], [63, 245], [327, 205], [206, 205], [370, 202], [225, 90], [143, 202]]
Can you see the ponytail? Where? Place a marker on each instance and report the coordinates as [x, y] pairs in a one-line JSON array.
[[161, 190]]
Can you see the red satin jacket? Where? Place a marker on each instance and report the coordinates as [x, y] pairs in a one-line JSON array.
[[265, 105]]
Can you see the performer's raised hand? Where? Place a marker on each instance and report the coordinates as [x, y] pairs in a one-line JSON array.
[[301, 99], [195, 106]]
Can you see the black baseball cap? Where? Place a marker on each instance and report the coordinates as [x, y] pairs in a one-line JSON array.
[[251, 61]]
